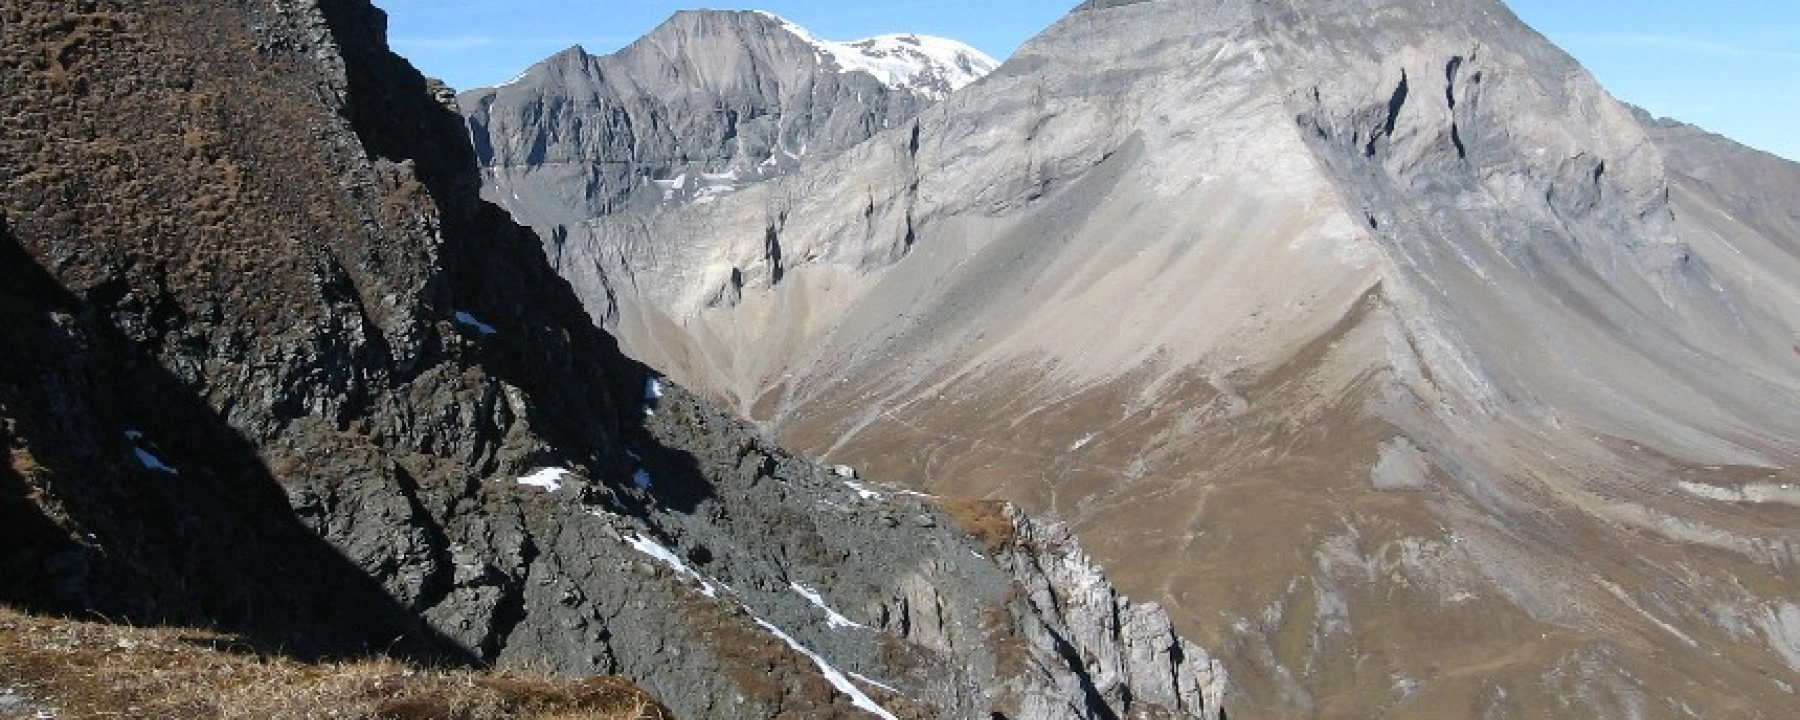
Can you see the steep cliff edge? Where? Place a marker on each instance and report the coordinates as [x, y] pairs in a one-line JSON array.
[[270, 365]]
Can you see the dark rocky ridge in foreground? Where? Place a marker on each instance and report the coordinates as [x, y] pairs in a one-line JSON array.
[[269, 364]]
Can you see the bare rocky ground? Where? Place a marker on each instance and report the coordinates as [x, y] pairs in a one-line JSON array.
[[1412, 372]]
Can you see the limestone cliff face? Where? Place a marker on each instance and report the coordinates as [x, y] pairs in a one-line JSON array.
[[270, 364], [708, 103], [1130, 652]]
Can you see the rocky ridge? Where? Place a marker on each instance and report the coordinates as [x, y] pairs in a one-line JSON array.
[[1404, 365], [273, 367], [704, 105]]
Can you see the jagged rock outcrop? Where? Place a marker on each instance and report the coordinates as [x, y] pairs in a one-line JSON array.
[[271, 365], [1130, 652], [709, 102], [1405, 366]]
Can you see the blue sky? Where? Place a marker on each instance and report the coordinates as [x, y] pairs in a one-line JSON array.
[[1731, 66]]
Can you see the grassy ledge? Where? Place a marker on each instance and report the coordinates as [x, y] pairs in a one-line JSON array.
[[58, 668]]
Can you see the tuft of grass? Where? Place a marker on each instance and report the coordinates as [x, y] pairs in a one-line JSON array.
[[64, 668], [984, 520]]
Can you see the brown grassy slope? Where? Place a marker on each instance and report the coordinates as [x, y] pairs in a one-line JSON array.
[[77, 670]]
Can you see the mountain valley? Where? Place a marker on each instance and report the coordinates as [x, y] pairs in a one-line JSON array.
[[1412, 372]]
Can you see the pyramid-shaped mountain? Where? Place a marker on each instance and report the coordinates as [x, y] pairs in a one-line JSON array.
[[708, 102]]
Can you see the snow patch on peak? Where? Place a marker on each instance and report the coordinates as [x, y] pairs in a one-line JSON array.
[[930, 66]]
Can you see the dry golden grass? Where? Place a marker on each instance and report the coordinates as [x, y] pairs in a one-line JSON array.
[[52, 667], [985, 520]]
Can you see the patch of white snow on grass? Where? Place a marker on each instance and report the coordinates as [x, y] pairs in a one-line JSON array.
[[550, 479], [832, 675], [832, 618], [665, 556], [469, 321]]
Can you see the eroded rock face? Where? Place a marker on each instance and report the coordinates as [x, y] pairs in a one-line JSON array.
[[708, 103], [1130, 653], [1367, 337], [271, 365]]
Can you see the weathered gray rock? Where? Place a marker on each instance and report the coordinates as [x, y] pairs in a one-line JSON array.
[[708, 103], [1131, 655], [1756, 188]]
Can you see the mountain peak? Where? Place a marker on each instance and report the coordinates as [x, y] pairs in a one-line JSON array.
[[931, 66], [708, 103]]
